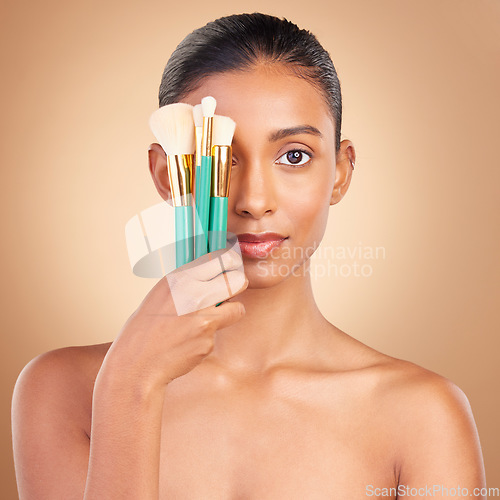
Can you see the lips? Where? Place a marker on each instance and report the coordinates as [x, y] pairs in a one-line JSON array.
[[259, 245]]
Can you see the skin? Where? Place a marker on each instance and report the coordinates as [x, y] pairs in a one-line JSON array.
[[285, 404]]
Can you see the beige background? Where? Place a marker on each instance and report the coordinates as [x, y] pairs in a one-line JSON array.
[[420, 83]]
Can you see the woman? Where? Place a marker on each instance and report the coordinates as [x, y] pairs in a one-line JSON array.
[[260, 397]]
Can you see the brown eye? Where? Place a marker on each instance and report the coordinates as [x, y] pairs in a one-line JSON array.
[[295, 157]]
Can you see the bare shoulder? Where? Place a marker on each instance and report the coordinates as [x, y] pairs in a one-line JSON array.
[[60, 379], [403, 384], [73, 364], [431, 422], [414, 401], [412, 388], [412, 393], [51, 418]]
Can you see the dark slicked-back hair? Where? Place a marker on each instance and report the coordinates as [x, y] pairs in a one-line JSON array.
[[241, 42]]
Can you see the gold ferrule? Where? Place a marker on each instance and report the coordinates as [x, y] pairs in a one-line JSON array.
[[206, 146], [221, 170], [180, 175], [198, 136]]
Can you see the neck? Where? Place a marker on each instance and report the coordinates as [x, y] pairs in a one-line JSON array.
[[282, 325]]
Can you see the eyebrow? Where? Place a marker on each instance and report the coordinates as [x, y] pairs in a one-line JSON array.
[[300, 129]]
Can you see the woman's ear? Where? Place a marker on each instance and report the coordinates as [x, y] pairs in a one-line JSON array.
[[346, 158], [158, 170]]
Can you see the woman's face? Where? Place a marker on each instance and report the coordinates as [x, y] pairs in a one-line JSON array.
[[284, 166]]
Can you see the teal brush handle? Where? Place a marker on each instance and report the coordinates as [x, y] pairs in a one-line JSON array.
[[183, 235], [203, 181], [218, 223]]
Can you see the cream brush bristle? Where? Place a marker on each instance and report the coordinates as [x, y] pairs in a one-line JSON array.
[[208, 105], [198, 122], [173, 127], [198, 115], [223, 130]]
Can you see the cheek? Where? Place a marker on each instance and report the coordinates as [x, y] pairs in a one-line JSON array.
[[310, 218], [309, 208]]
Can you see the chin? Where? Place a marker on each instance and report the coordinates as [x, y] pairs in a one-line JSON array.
[[264, 273]]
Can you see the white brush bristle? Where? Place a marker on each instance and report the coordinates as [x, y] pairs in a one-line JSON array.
[[173, 127], [208, 105], [198, 115], [223, 130]]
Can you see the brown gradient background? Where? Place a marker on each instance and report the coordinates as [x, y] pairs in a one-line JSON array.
[[420, 83]]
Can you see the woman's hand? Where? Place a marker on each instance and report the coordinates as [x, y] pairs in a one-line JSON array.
[[54, 456], [156, 344]]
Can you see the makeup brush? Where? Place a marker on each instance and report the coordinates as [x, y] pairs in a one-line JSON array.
[[199, 234], [203, 180], [223, 131], [173, 127]]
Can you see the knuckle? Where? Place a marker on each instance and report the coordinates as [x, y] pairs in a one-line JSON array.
[[195, 303], [232, 259], [229, 260], [237, 311], [206, 325], [207, 344]]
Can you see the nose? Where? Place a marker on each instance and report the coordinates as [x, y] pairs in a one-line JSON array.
[[254, 190]]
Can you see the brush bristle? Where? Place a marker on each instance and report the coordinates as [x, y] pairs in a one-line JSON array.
[[173, 127], [198, 115], [208, 105], [223, 130]]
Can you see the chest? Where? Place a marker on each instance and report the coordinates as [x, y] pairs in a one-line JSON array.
[[241, 445]]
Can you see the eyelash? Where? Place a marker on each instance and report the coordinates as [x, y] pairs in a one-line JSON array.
[[299, 150]]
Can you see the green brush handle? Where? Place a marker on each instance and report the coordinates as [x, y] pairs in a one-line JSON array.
[[203, 181], [183, 235], [218, 223]]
